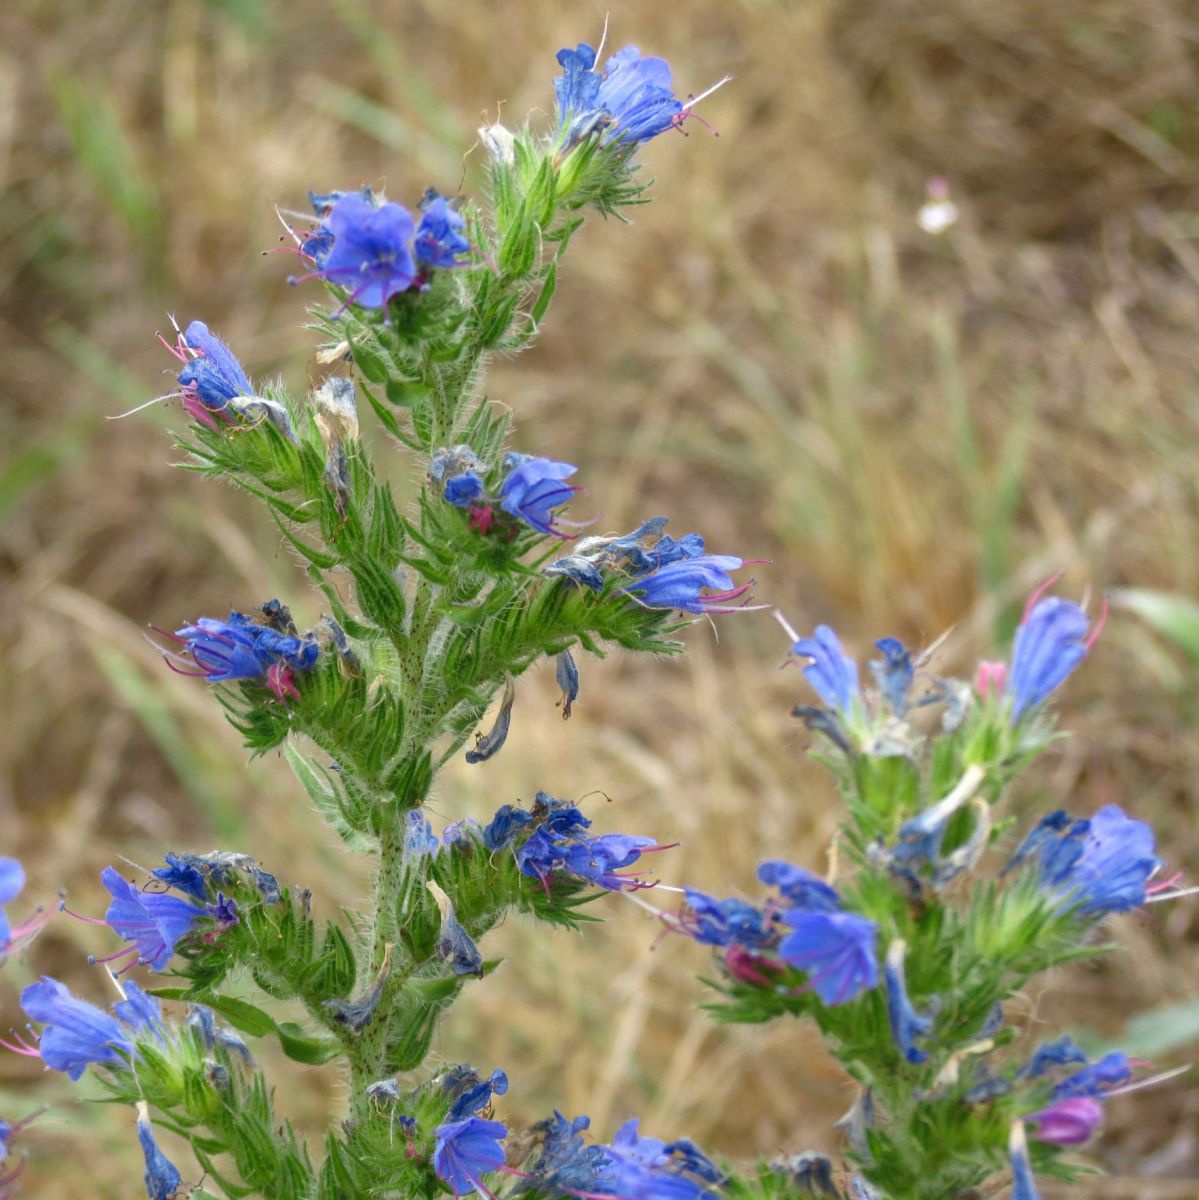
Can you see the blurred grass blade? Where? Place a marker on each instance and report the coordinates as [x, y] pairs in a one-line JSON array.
[[1158, 1031], [1175, 617], [106, 155]]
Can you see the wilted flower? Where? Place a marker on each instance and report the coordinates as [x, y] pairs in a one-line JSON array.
[[489, 743], [894, 673], [455, 947], [801, 888], [469, 1092], [567, 675], [1024, 1186]]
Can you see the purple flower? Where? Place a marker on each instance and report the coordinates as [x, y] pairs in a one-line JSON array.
[[467, 1150], [906, 1023], [832, 674], [1094, 866], [1052, 640], [1068, 1122], [152, 921], [802, 888], [371, 254], [533, 488], [162, 1180], [78, 1033], [713, 922], [681, 584], [211, 376], [837, 950], [1111, 1071], [439, 240]]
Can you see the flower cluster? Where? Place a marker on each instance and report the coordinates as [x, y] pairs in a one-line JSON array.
[[630, 101], [530, 490], [375, 249]]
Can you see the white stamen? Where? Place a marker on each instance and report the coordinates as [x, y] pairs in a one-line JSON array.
[[778, 616], [140, 407], [116, 983], [704, 95], [1160, 1077], [1192, 891], [603, 38], [295, 237]]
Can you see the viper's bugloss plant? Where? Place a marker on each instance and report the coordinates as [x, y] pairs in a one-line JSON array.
[[906, 956]]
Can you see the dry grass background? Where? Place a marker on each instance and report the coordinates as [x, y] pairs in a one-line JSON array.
[[915, 430]]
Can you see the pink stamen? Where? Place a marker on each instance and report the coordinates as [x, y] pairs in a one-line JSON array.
[[990, 679], [1040, 591], [21, 1048], [179, 350], [166, 658], [280, 678], [62, 907], [1164, 884], [1100, 622], [116, 956]]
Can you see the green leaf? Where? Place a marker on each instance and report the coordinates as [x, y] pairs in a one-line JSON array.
[[240, 1014], [1173, 616], [304, 1047]]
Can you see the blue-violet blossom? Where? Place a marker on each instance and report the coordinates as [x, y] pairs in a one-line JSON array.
[[467, 1150], [533, 488], [1053, 638], [837, 950]]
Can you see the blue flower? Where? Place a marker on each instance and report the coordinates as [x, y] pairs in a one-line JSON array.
[[183, 875], [894, 673], [906, 1023], [1061, 1052], [12, 882], [1024, 1186], [644, 1169], [153, 921], [802, 888], [566, 673], [465, 490], [223, 650], [501, 832], [439, 240], [559, 846], [371, 254], [577, 89], [1111, 1071], [467, 1150], [469, 1092], [713, 922], [213, 376], [533, 488], [637, 95], [161, 1178], [1052, 640], [78, 1033], [419, 838], [831, 673], [578, 569], [565, 1163], [237, 648], [681, 583], [837, 950], [1094, 866]]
